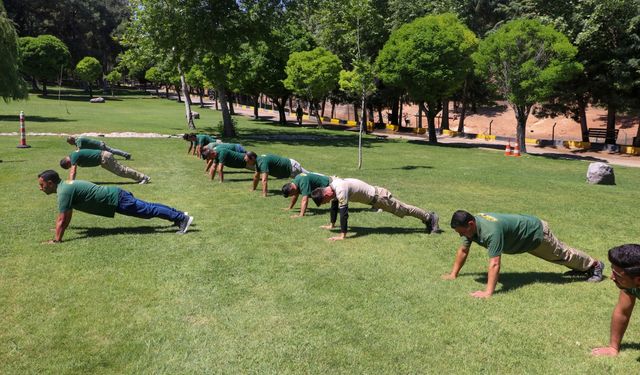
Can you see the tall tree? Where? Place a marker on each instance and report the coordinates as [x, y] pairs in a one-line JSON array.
[[12, 86], [312, 75], [89, 70], [526, 61], [43, 58], [430, 58]]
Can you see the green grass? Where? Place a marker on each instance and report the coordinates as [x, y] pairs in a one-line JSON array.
[[250, 290]]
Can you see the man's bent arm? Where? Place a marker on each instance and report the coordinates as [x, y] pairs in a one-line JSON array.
[[461, 258], [221, 171], [303, 204], [492, 275], [256, 175], [62, 222], [619, 322], [264, 178], [72, 172], [209, 163], [294, 199]]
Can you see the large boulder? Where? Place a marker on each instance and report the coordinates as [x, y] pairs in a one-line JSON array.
[[97, 100], [601, 173]]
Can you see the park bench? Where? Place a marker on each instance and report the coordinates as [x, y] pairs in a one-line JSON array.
[[603, 133]]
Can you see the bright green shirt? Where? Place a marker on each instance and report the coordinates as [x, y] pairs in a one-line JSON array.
[[274, 165], [204, 139], [307, 182], [84, 143], [86, 158], [88, 197], [505, 233], [230, 158]]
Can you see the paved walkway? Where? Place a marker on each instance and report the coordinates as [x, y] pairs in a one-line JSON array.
[[498, 146]]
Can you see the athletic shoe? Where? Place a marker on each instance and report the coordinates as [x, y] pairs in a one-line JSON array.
[[596, 273], [184, 225], [177, 223], [127, 156], [145, 180], [432, 223]]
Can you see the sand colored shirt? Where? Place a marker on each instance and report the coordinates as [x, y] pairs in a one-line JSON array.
[[351, 189], [307, 182], [274, 165], [88, 197], [506, 233], [86, 158], [88, 143], [230, 158]]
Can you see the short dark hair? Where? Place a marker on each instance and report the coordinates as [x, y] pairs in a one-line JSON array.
[[461, 218], [286, 189], [205, 152], [626, 257], [317, 195], [186, 136], [65, 162], [251, 155], [50, 175]]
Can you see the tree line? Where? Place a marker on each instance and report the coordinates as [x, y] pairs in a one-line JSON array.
[[544, 57]]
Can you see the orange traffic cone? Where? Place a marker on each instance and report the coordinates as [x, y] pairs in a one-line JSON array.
[[516, 150], [507, 150]]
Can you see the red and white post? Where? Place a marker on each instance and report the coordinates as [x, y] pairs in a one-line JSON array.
[[23, 133]]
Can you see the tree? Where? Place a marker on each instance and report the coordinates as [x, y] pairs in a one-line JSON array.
[[429, 58], [196, 78], [526, 61], [12, 86], [154, 75], [114, 78], [43, 58], [89, 70], [312, 75]]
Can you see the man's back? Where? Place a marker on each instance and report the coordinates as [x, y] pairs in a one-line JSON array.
[[87, 197]]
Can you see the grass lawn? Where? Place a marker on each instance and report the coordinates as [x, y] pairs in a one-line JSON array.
[[251, 290]]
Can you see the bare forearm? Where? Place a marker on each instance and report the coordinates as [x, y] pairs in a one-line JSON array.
[[264, 184], [619, 323], [461, 258], [492, 277], [72, 172], [303, 205], [255, 180]]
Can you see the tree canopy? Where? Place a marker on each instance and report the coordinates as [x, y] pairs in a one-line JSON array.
[[43, 58], [525, 61], [89, 70], [12, 86]]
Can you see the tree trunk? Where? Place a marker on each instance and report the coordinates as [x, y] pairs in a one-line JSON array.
[[90, 90], [356, 116], [463, 113], [324, 102], [363, 124], [179, 93], [44, 87], [432, 111], [256, 103], [394, 112], [444, 125], [201, 95], [317, 110], [34, 84], [333, 109], [281, 105], [187, 100], [611, 124], [400, 110], [157, 92], [232, 110], [582, 110], [636, 139], [420, 108], [380, 120], [227, 123], [522, 113]]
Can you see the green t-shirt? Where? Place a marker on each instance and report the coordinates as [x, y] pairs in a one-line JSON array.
[[307, 182], [88, 143], [86, 158], [505, 233], [88, 197], [230, 158], [274, 165], [223, 146], [633, 291], [204, 139]]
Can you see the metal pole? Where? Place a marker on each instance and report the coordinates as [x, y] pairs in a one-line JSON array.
[[553, 132], [490, 122]]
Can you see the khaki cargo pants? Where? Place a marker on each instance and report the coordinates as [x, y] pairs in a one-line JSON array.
[[554, 251], [385, 201], [109, 163]]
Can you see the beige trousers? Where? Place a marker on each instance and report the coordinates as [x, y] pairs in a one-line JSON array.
[[109, 163], [384, 200], [554, 251]]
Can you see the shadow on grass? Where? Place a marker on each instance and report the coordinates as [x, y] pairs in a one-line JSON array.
[[114, 183], [413, 167], [30, 118], [572, 156], [514, 280], [90, 232], [364, 231]]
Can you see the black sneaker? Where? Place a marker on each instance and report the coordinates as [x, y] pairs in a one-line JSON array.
[[184, 225], [432, 223], [127, 156], [596, 273]]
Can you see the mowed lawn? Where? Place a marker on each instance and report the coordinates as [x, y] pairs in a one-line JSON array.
[[251, 290]]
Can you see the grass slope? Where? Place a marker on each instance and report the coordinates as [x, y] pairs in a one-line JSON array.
[[250, 290]]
